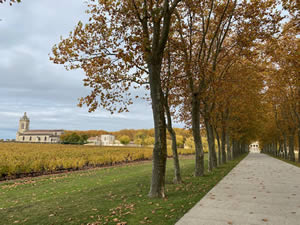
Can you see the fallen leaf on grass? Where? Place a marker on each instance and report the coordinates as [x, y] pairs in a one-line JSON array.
[[122, 223], [115, 219]]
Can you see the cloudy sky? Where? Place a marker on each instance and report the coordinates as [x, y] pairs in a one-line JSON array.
[[47, 92]]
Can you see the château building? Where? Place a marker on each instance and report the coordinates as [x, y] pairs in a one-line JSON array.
[[254, 147], [104, 140], [24, 134]]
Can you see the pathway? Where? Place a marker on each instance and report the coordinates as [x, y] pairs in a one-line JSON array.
[[260, 190]]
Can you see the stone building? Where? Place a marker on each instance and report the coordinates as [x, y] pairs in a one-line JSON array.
[[254, 147], [94, 140], [107, 139], [104, 140], [43, 136]]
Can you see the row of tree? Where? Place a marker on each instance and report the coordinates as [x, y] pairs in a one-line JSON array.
[[203, 62], [281, 133], [199, 59]]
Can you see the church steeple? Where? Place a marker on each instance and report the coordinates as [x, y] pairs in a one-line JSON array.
[[24, 123]]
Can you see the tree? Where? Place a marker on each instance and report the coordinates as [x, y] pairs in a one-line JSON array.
[[83, 139], [169, 72], [189, 142], [123, 43], [179, 141], [10, 1], [207, 33], [149, 141], [72, 139], [283, 82], [124, 139]]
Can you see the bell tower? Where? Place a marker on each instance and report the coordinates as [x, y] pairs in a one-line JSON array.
[[24, 124]]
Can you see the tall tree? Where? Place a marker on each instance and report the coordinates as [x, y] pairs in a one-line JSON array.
[[123, 43], [169, 84], [283, 83], [207, 31]]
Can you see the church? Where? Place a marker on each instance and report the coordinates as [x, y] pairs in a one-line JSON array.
[[37, 136]]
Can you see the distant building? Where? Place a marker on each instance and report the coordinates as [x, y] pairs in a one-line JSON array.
[[104, 140], [254, 147], [94, 141], [107, 139], [44, 136]]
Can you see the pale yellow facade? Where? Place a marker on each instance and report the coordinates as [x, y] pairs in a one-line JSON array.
[[104, 140], [254, 147]]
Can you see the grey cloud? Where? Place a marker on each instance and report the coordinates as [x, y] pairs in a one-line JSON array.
[[47, 92]]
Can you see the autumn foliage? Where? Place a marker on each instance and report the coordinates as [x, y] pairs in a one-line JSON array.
[[226, 68]]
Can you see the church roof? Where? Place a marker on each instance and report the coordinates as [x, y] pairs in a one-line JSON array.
[[42, 132]]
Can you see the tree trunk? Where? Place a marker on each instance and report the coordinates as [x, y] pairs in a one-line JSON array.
[[219, 148], [212, 156], [285, 146], [229, 152], [223, 143], [299, 144], [291, 146], [234, 148], [157, 188], [199, 160], [177, 176], [280, 148]]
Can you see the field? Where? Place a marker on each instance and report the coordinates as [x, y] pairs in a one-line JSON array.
[[105, 196], [20, 159]]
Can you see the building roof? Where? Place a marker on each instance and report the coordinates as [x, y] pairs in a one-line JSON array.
[[41, 132], [93, 138]]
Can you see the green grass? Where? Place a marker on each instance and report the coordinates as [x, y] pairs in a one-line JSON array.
[[105, 196], [296, 163]]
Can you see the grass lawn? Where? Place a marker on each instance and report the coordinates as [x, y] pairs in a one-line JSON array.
[[296, 163], [105, 196]]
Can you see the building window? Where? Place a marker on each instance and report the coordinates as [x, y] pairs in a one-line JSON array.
[[38, 138], [23, 138], [30, 138], [45, 139]]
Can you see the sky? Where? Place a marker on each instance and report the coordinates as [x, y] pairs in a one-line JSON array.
[[31, 83]]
